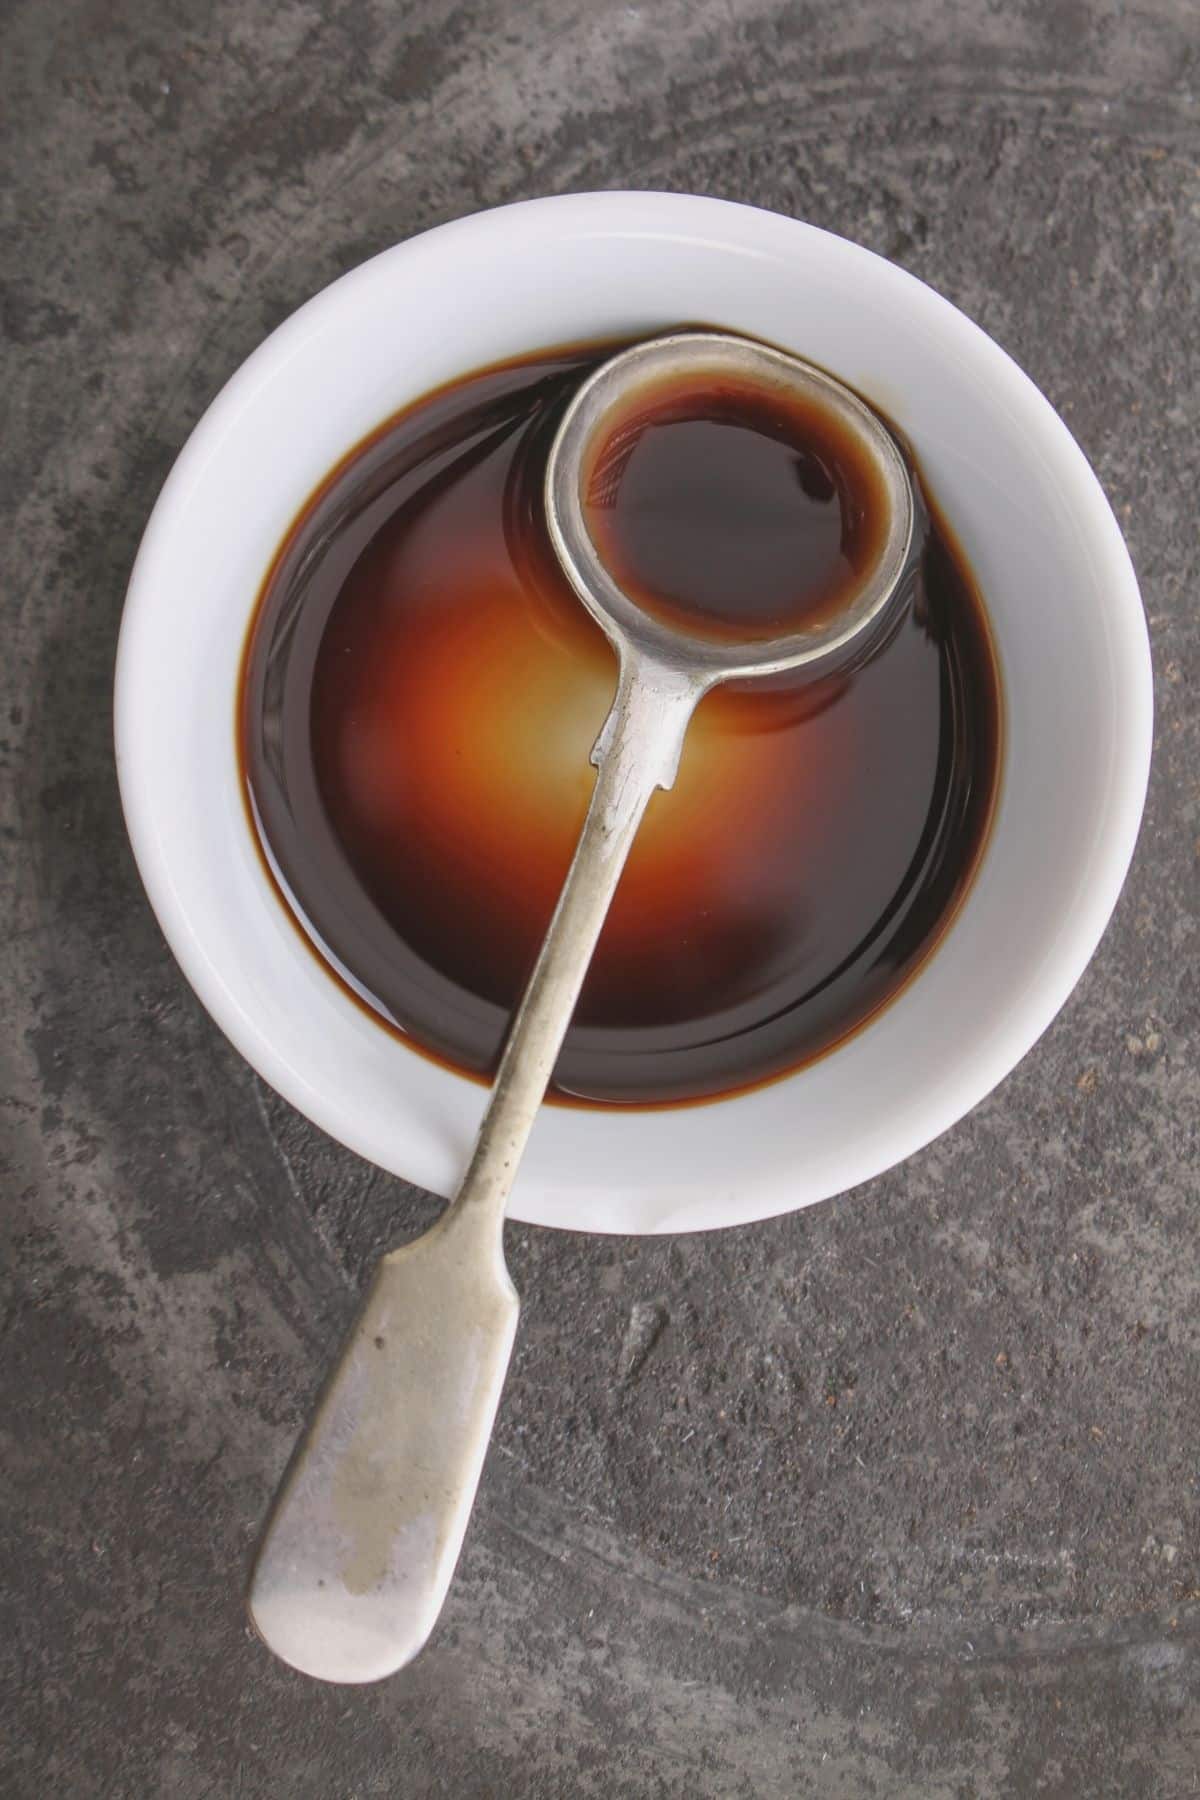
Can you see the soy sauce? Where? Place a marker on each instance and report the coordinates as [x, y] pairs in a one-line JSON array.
[[421, 691]]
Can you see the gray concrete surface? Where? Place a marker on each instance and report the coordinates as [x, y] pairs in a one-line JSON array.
[[902, 1500]]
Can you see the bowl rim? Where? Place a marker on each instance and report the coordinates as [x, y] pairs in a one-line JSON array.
[[626, 214]]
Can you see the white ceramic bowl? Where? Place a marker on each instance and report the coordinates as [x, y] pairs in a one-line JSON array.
[[1035, 527]]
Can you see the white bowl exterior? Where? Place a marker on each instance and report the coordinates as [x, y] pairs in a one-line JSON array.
[[1036, 529]]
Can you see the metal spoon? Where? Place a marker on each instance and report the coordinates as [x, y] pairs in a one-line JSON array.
[[366, 1529]]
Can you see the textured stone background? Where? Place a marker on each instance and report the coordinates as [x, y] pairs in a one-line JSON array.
[[902, 1498]]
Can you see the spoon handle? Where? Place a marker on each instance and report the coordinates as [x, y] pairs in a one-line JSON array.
[[367, 1526], [637, 752], [369, 1520]]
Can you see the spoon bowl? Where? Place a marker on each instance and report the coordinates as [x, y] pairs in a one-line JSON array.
[[715, 357]]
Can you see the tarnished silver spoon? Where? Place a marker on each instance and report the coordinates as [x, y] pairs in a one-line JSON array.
[[366, 1529]]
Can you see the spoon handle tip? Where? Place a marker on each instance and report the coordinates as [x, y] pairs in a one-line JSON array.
[[366, 1529]]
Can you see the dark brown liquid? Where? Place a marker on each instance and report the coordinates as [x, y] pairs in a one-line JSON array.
[[732, 512], [422, 690]]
